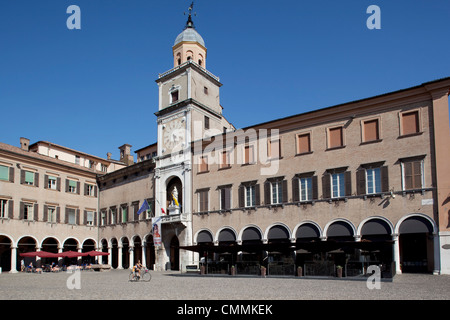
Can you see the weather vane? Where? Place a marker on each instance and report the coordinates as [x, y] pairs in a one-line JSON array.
[[191, 7]]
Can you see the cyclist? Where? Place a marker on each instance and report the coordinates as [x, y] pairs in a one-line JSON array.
[[137, 269]]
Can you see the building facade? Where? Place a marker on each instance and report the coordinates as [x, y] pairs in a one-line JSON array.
[[353, 185]]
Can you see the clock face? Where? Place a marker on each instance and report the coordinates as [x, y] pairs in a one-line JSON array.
[[174, 135]]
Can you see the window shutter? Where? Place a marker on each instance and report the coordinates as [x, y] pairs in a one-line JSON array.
[[78, 216], [241, 196], [85, 217], [348, 183], [228, 198], [22, 176], [67, 185], [36, 179], [285, 191], [326, 188], [45, 181], [58, 184], [222, 199], [267, 199], [257, 195], [36, 212], [85, 189], [78, 187], [315, 190], [361, 181], [66, 218], [45, 213], [384, 179], [11, 174], [95, 191], [295, 189], [11, 209], [21, 213], [58, 214], [95, 218]]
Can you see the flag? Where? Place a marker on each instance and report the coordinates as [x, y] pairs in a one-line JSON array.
[[144, 207], [175, 200], [162, 210]]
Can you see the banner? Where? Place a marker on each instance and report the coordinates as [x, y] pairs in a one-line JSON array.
[[156, 229]]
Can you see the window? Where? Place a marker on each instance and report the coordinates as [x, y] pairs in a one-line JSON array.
[[248, 155], [124, 214], [29, 178], [250, 196], [174, 96], [90, 190], [28, 211], [112, 215], [51, 214], [338, 185], [103, 218], [225, 198], [203, 165], [71, 216], [274, 149], [304, 143], [335, 137], [225, 160], [410, 123], [77, 159], [206, 123], [72, 187], [306, 190], [90, 218], [371, 130], [276, 192], [3, 208], [412, 174], [203, 200], [104, 168], [205, 89], [373, 178], [4, 173], [51, 182]]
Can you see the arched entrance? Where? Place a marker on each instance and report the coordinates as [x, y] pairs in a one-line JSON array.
[[137, 250], [149, 252], [88, 245], [26, 244], [70, 244], [416, 245], [280, 257], [125, 253], [306, 236], [5, 253], [174, 253], [252, 256], [104, 248], [50, 245], [114, 253]]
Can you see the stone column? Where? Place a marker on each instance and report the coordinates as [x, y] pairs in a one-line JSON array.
[[131, 258], [398, 270], [437, 254], [13, 259], [119, 258], [110, 256]]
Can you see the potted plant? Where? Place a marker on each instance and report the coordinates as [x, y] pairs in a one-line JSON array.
[[339, 271]]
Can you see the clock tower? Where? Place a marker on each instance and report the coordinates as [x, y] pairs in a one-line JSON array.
[[189, 108]]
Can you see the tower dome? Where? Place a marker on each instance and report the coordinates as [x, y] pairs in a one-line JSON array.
[[189, 45]]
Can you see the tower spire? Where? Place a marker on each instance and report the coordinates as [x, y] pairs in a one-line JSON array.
[[190, 23]]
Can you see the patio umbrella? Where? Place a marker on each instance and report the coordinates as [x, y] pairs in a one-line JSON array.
[[71, 254], [94, 253], [41, 254]]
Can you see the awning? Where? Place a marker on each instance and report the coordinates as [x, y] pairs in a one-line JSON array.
[[40, 254]]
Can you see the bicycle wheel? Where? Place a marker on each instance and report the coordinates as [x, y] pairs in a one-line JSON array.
[[132, 277], [147, 276]]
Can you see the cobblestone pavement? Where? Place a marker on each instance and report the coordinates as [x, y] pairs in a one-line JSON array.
[[114, 285]]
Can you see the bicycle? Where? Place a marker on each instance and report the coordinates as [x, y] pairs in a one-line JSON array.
[[145, 275]]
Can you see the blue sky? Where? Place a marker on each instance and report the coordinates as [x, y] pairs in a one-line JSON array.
[[94, 89]]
